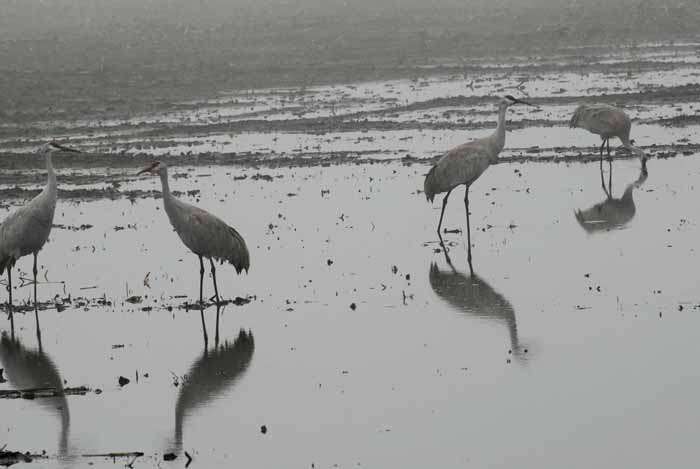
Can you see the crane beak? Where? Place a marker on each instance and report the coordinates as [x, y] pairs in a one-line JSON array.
[[520, 101], [148, 169], [58, 146]]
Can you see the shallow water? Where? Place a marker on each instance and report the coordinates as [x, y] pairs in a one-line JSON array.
[[571, 347]]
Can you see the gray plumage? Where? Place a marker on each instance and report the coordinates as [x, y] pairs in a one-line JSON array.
[[27, 229], [464, 164], [203, 233], [608, 122], [604, 120], [461, 165]]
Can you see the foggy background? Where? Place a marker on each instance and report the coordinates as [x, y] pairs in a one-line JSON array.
[[91, 54]]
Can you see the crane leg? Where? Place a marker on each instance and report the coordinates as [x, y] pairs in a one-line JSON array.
[[602, 147], [608, 144], [216, 337], [204, 326], [201, 281], [469, 237], [213, 276], [36, 306], [9, 305], [442, 213], [602, 182]]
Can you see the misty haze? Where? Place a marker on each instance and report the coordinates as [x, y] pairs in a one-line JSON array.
[[334, 234]]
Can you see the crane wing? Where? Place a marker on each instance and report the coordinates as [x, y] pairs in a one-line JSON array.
[[209, 236], [461, 165], [25, 230], [601, 119]]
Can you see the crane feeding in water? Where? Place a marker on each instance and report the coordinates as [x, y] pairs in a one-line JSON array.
[[27, 229], [203, 233], [608, 122], [464, 164]]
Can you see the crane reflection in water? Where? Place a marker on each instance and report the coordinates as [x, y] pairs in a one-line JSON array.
[[612, 213], [212, 374], [28, 369], [472, 295]]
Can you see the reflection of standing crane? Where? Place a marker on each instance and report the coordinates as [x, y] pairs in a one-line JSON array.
[[29, 369], [464, 164], [205, 234], [27, 229], [608, 122], [611, 213], [474, 296], [212, 374]]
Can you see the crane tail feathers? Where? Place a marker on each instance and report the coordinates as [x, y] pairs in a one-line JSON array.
[[576, 117], [430, 185], [6, 262], [241, 259]]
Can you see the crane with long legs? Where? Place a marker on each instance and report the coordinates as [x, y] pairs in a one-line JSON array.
[[203, 233], [608, 122], [26, 230], [464, 164]]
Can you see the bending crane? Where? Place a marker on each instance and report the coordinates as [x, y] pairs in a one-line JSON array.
[[608, 122]]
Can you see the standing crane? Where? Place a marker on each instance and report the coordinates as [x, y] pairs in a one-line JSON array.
[[608, 122], [203, 233], [464, 164], [27, 229]]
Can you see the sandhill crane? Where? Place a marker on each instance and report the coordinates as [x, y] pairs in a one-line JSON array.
[[203, 233], [608, 122], [26, 230], [472, 295], [611, 213], [464, 164]]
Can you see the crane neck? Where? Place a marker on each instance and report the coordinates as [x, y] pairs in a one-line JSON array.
[[164, 182], [500, 133]]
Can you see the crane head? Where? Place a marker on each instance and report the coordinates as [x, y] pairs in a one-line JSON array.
[[153, 168], [54, 147], [509, 100]]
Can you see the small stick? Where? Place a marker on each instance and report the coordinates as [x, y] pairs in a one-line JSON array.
[[134, 454]]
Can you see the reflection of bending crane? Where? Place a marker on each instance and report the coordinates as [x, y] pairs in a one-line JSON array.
[[474, 296], [611, 213], [464, 164]]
